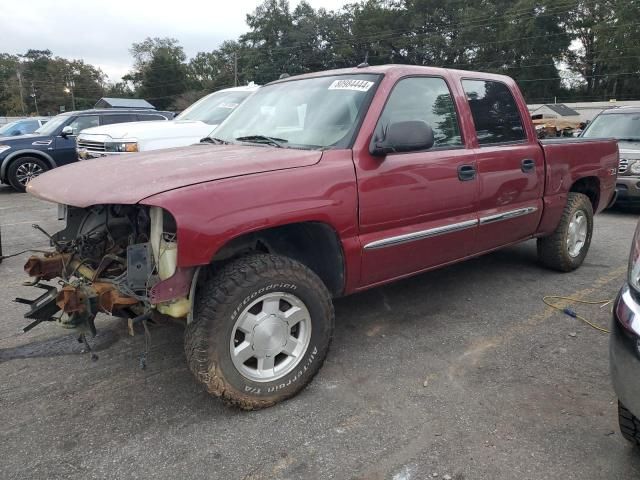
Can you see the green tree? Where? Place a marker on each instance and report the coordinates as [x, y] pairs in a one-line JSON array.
[[160, 71]]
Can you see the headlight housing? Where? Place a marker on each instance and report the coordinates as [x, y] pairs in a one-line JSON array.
[[634, 167], [4, 148], [121, 146], [634, 261]]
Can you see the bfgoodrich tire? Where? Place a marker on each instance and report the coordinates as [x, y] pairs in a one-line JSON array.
[[629, 425], [261, 330], [566, 248], [23, 170]]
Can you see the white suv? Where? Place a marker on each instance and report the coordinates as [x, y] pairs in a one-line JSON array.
[[196, 122]]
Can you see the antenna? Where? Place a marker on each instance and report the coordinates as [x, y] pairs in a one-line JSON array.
[[366, 59]]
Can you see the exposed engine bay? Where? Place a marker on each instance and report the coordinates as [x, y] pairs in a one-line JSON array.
[[115, 259]]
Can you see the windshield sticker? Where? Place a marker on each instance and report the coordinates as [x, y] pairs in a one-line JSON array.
[[230, 106], [351, 84]]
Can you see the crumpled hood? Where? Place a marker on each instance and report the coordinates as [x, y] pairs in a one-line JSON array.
[[128, 179], [146, 130]]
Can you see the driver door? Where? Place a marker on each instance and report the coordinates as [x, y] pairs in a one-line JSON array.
[[417, 209], [65, 150]]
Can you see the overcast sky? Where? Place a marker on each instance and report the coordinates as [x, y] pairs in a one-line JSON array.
[[100, 32]]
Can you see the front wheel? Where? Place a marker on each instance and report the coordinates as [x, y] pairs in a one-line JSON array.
[[261, 330], [566, 248], [629, 425], [23, 170]]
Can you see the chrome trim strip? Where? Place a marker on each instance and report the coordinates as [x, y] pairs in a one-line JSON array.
[[411, 237], [628, 311], [508, 215]]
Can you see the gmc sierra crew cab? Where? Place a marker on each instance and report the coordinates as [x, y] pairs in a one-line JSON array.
[[317, 186]]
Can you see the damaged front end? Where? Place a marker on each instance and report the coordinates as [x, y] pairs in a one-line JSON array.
[[115, 259]]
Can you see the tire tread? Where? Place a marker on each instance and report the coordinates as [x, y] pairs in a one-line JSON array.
[[218, 291]]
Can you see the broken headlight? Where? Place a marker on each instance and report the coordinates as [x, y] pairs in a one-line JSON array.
[[121, 146], [634, 261]]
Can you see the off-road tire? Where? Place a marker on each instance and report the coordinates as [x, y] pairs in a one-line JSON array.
[[218, 305], [629, 425], [13, 170], [552, 250]]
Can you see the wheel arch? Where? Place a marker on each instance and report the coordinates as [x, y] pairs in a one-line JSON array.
[[589, 186], [24, 153], [314, 244]]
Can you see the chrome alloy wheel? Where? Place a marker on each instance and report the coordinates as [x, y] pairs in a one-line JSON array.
[[270, 337], [577, 234], [28, 171]]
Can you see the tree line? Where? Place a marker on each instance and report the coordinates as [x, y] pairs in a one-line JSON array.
[[569, 50]]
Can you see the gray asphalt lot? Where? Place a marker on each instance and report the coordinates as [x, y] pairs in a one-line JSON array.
[[461, 372]]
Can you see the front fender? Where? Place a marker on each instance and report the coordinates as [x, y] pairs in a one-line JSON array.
[[209, 215]]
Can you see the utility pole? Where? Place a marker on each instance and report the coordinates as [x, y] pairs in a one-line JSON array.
[[235, 69], [19, 75], [69, 89], [35, 98]]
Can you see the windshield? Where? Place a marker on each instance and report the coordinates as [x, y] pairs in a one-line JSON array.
[[8, 127], [52, 125], [214, 108], [321, 112], [622, 126]]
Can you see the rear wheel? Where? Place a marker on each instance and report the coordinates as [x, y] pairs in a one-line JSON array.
[[261, 330], [566, 248], [629, 425], [23, 170]]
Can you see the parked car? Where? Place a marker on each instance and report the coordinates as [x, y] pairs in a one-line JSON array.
[[624, 348], [317, 186], [25, 157], [22, 127], [188, 128], [623, 124]]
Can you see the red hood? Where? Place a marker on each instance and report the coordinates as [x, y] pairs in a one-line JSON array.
[[127, 179]]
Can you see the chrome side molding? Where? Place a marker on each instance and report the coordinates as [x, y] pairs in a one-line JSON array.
[[507, 215], [411, 237]]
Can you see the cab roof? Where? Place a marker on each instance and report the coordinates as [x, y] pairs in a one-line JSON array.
[[400, 70]]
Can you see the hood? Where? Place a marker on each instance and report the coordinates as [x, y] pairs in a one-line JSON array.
[[629, 148], [128, 179], [148, 130], [27, 138]]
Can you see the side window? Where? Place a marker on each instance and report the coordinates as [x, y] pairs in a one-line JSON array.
[[148, 118], [495, 113], [427, 99], [87, 121], [119, 118]]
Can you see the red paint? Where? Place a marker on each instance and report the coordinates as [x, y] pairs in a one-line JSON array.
[[218, 193]]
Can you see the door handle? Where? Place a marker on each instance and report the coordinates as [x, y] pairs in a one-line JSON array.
[[528, 165], [466, 173]]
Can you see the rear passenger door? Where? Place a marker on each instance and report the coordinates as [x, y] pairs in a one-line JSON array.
[[111, 118], [416, 209], [510, 166]]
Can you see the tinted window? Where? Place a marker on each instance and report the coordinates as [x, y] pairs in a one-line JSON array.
[[120, 118], [495, 113], [427, 99], [80, 123], [148, 118]]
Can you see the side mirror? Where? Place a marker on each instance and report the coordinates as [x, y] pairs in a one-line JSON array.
[[66, 131], [409, 136]]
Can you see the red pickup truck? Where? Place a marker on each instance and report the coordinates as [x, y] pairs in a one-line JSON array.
[[318, 186]]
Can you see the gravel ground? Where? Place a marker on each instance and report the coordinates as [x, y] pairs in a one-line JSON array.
[[460, 373]]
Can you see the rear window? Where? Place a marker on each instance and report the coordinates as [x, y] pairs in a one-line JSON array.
[[495, 112]]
